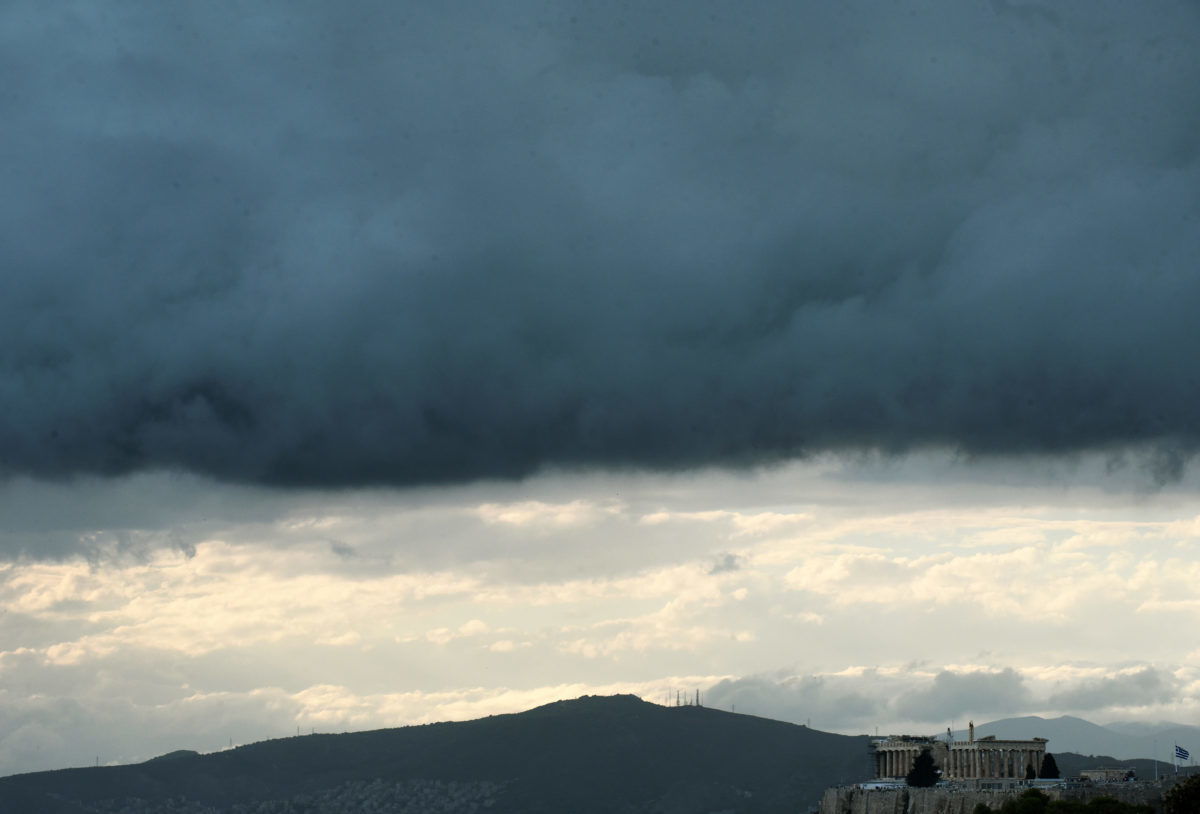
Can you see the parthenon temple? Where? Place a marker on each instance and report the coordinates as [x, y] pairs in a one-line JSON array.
[[986, 761]]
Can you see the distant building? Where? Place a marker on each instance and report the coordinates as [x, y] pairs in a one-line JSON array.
[[985, 763], [1108, 774]]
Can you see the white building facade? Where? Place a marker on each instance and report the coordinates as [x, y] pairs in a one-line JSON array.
[[986, 762]]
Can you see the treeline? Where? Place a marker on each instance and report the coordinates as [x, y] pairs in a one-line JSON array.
[[1036, 802], [1182, 798]]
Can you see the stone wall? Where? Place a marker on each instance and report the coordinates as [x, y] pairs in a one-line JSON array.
[[853, 800]]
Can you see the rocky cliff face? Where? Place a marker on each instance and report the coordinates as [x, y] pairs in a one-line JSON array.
[[852, 800]]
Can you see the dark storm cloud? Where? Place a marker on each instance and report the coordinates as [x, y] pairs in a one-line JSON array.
[[726, 564], [1146, 686], [310, 243], [799, 699], [953, 695], [871, 698]]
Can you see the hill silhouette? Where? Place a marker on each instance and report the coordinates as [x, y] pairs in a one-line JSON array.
[[592, 754]]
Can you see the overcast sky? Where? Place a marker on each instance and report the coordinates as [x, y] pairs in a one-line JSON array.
[[385, 363]]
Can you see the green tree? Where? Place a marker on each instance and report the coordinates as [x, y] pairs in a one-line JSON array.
[[1108, 805], [1031, 801], [1049, 768], [1030, 774], [1183, 798], [981, 808], [924, 772]]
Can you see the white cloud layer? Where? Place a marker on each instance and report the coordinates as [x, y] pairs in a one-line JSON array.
[[878, 594]]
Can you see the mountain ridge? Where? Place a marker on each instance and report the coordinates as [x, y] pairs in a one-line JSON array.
[[592, 754]]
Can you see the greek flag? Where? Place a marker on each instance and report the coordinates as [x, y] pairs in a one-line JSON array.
[[1181, 753]]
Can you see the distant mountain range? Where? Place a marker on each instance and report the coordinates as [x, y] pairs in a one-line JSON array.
[[1121, 740], [615, 754]]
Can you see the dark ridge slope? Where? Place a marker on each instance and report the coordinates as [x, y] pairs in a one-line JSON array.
[[1071, 764], [593, 754]]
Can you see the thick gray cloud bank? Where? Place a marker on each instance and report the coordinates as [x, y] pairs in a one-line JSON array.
[[320, 243]]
